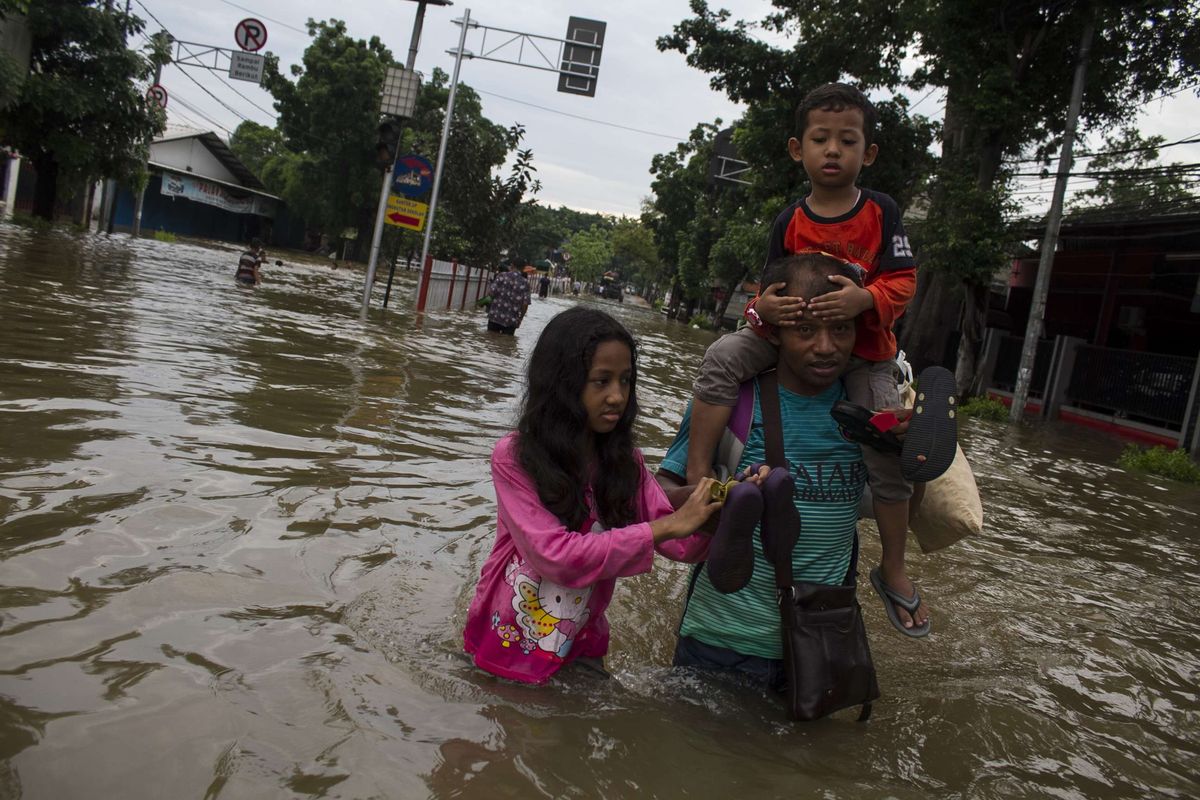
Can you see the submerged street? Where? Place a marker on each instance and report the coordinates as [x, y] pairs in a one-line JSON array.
[[239, 529]]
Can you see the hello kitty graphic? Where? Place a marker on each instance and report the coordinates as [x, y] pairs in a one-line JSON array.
[[548, 613]]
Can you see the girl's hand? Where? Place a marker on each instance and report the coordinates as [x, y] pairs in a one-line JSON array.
[[779, 310], [841, 304], [694, 512]]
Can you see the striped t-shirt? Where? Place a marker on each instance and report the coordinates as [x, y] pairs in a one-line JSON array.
[[830, 476]]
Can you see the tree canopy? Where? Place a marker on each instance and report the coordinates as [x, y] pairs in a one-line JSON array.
[[1006, 71], [80, 113]]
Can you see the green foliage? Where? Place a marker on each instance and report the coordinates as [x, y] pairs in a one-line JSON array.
[[165, 236], [591, 253], [986, 408], [328, 119], [1137, 182], [1173, 464], [80, 113], [544, 229], [36, 224], [255, 146]]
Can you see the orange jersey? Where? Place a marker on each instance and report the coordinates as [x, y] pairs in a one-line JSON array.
[[870, 236]]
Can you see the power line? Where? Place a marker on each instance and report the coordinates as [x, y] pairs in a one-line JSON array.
[[581, 117], [239, 94], [264, 16]]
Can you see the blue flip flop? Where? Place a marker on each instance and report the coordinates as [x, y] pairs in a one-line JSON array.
[[932, 428], [892, 598]]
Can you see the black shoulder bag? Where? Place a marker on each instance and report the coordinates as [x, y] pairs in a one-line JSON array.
[[825, 650]]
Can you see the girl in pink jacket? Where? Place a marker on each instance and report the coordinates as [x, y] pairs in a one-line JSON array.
[[576, 506]]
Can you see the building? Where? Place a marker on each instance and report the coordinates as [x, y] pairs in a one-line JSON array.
[[1121, 347], [198, 187]]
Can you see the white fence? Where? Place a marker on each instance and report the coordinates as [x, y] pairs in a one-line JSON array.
[[446, 285]]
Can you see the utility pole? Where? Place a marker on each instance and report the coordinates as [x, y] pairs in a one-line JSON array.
[[386, 188], [465, 22], [1037, 310], [141, 195]]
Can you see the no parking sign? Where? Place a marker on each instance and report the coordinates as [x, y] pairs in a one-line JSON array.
[[250, 34], [158, 95]]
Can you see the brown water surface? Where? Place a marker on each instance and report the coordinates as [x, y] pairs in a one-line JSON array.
[[239, 530]]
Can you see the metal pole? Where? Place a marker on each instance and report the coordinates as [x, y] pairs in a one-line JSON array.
[[141, 195], [441, 157], [1037, 309], [385, 189]]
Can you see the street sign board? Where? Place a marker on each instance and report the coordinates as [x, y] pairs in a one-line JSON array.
[[412, 176], [250, 34], [158, 94], [246, 66], [581, 56], [405, 213]]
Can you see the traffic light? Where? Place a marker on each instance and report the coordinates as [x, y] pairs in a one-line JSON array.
[[386, 142]]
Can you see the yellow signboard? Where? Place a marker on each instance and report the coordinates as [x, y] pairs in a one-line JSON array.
[[405, 213]]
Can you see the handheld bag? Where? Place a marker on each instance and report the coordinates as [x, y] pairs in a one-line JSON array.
[[825, 650]]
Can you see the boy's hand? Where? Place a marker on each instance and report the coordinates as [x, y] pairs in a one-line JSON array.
[[777, 309], [841, 304]]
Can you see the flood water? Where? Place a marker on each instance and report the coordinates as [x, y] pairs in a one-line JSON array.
[[239, 530]]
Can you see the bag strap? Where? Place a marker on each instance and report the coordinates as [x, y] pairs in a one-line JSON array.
[[778, 553], [768, 403]]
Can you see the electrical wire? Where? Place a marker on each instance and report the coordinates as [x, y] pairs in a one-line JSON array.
[[581, 117]]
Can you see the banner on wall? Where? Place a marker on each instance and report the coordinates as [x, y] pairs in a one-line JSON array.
[[214, 194]]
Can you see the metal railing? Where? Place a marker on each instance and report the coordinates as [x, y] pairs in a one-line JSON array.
[[1148, 387], [446, 285]]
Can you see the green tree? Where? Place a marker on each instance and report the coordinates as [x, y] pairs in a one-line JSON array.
[[1006, 69], [635, 255], [80, 113], [1129, 178], [255, 145], [591, 253], [328, 119]]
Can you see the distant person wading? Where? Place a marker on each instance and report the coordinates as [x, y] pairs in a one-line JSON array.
[[510, 299]]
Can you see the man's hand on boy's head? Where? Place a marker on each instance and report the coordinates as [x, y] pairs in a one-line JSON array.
[[846, 302], [779, 309]]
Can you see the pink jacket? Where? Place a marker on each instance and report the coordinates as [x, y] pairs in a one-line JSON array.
[[543, 590]]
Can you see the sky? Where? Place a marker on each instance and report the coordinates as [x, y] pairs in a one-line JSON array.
[[592, 154]]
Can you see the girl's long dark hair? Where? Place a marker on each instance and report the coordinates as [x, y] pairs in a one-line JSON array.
[[553, 441]]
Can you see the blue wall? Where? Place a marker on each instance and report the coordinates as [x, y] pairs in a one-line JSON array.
[[187, 218]]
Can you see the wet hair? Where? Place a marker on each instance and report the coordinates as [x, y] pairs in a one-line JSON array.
[[256, 242], [807, 273], [838, 97], [553, 427]]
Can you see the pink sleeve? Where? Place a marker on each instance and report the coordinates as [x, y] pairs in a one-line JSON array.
[[568, 557], [653, 502]]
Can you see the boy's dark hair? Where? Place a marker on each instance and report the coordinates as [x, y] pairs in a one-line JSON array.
[[837, 97], [553, 427], [807, 274]]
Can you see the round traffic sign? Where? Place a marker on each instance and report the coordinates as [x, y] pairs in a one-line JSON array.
[[412, 177], [250, 34], [158, 94]]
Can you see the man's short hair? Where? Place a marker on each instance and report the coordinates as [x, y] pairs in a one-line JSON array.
[[518, 262], [807, 274], [838, 97]]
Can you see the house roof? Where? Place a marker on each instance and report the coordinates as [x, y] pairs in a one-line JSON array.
[[220, 151]]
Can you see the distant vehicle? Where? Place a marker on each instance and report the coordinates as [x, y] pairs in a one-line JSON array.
[[612, 291]]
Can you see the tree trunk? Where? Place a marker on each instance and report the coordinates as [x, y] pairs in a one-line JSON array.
[[972, 323], [930, 319], [46, 189]]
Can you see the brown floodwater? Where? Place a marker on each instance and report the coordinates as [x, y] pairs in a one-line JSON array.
[[239, 529]]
